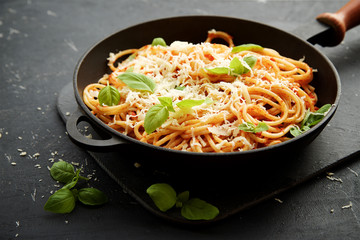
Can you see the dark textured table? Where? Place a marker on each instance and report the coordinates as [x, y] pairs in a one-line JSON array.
[[40, 44]]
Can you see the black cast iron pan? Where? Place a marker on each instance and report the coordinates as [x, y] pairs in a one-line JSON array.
[[194, 29]]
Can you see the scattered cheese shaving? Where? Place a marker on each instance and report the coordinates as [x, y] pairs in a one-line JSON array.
[[334, 179], [356, 174], [33, 195], [347, 206]]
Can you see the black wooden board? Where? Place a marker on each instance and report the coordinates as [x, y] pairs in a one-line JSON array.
[[231, 189]]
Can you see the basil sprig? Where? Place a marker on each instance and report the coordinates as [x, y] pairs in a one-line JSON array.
[[158, 41], [109, 96], [250, 127], [236, 67], [165, 198], [159, 113], [310, 119], [64, 199], [247, 47], [137, 81]]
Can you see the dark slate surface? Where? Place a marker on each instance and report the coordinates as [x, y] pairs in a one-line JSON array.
[[40, 44]]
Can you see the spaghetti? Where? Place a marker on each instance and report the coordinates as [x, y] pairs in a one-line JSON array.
[[275, 91]]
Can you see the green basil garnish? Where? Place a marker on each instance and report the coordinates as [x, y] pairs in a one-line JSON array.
[[159, 113], [109, 96], [91, 196], [189, 103], [197, 209], [131, 57], [236, 67], [167, 102], [247, 47], [163, 195], [63, 200], [180, 88], [137, 81], [155, 117], [182, 198], [250, 127], [218, 70], [251, 61], [62, 171], [296, 131], [310, 119], [165, 198], [158, 41], [314, 118]]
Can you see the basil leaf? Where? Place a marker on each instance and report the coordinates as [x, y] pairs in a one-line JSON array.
[[236, 66], [313, 118], [247, 127], [163, 195], [247, 47], [62, 201], [92, 196], [109, 96], [180, 88], [261, 127], [197, 209], [155, 117], [189, 103], [158, 41], [250, 127], [295, 131], [131, 57], [251, 61], [218, 70], [305, 128], [181, 198], [62, 171], [324, 109], [310, 119], [137, 81], [167, 102]]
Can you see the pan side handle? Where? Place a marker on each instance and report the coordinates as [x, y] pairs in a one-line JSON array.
[[344, 19], [109, 143]]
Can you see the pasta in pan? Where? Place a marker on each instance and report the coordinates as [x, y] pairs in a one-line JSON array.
[[205, 97]]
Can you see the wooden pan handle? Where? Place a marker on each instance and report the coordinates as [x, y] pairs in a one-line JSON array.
[[344, 19]]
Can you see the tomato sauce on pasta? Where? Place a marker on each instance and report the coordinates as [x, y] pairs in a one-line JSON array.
[[275, 91]]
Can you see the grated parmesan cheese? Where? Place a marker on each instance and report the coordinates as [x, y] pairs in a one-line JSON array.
[[182, 64]]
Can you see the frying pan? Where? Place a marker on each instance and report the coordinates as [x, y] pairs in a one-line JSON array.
[[93, 65]]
